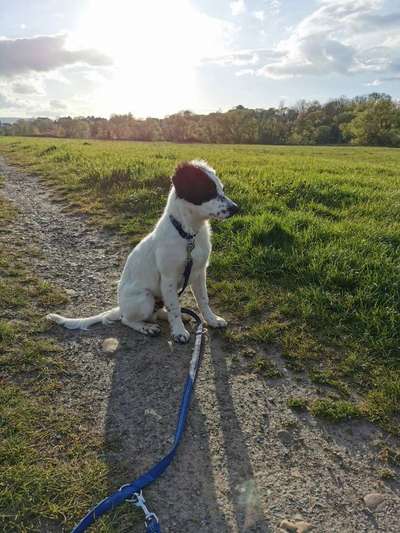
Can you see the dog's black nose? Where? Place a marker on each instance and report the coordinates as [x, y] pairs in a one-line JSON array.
[[233, 209]]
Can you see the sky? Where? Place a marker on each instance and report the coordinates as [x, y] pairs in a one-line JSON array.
[[158, 57]]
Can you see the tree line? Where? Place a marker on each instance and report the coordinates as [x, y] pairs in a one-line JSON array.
[[364, 120]]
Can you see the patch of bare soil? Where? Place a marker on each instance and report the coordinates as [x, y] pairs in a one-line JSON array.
[[247, 463]]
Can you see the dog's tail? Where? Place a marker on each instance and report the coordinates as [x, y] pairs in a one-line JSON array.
[[84, 323]]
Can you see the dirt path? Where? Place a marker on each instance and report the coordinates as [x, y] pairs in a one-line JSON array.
[[247, 462]]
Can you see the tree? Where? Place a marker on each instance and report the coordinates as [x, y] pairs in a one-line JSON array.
[[370, 120], [377, 125]]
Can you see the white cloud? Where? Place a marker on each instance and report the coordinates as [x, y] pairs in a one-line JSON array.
[[43, 53], [259, 15], [245, 57], [57, 104], [342, 37], [238, 7], [237, 59], [374, 83], [245, 72], [339, 37], [386, 79], [376, 22], [315, 55], [5, 102], [271, 8], [274, 6], [25, 88]]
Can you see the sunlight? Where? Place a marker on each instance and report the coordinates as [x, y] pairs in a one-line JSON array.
[[155, 46]]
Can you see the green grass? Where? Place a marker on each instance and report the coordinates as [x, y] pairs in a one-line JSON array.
[[311, 264], [297, 403], [261, 364], [334, 410], [52, 463]]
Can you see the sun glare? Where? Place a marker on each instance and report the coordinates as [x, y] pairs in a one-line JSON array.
[[156, 47]]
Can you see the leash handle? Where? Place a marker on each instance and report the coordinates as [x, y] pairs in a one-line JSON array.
[[153, 526]]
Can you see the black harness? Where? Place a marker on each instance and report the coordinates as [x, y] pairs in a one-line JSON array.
[[190, 244]]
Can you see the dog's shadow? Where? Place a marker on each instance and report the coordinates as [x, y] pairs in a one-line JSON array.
[[210, 485]]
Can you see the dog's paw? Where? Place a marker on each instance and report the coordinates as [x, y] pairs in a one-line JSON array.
[[217, 322], [181, 337], [152, 330]]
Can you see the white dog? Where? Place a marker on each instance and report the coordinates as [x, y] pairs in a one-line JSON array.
[[154, 269]]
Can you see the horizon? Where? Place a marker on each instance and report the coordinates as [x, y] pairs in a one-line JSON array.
[[183, 111], [91, 58]]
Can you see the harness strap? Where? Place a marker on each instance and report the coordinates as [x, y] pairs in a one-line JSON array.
[[188, 269], [190, 244], [179, 228]]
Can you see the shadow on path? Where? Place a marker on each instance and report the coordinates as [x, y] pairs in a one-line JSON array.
[[194, 494]]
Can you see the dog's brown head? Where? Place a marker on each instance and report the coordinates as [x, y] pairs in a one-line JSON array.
[[196, 182]]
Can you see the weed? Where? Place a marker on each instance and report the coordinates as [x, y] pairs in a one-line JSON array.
[[297, 403], [265, 367], [334, 410], [386, 474]]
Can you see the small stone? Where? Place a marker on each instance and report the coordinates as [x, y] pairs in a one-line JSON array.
[[285, 437], [300, 526], [110, 345], [295, 472], [152, 412], [71, 292], [373, 499], [303, 527], [288, 526]]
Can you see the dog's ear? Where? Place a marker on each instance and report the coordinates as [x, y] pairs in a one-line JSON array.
[[193, 184]]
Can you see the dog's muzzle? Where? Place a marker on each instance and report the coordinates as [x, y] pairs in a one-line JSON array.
[[233, 209]]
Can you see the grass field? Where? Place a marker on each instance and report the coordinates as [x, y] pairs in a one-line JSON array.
[[311, 264]]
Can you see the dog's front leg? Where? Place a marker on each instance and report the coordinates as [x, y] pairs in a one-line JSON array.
[[171, 302], [199, 288]]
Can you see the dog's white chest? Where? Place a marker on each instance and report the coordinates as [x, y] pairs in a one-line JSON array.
[[201, 254]]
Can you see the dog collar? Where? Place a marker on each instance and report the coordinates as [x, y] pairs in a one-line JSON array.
[[178, 226]]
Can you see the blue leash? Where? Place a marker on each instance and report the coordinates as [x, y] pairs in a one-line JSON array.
[[132, 492]]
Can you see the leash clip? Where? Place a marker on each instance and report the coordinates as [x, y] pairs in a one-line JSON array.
[[138, 500]]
